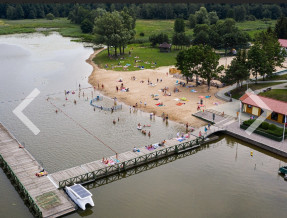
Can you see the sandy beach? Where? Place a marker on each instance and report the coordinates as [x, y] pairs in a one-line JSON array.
[[141, 92]]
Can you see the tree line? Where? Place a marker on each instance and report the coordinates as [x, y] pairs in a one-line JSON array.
[[239, 12], [260, 60]]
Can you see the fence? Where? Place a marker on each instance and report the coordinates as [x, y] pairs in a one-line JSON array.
[[32, 205], [129, 164]]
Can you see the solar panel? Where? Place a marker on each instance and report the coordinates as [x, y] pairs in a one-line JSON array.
[[80, 190]]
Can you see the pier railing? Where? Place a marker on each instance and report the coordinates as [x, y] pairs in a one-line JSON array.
[[26, 196], [129, 164]]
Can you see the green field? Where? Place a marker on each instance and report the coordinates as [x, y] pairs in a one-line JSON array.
[[253, 27], [238, 92], [278, 94], [149, 27], [62, 25], [147, 57]]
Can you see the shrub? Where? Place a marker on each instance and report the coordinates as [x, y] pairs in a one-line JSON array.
[[50, 16], [141, 34], [264, 125], [272, 127], [248, 122], [277, 132]]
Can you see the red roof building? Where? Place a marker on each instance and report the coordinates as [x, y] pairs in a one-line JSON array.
[[256, 105], [283, 42]]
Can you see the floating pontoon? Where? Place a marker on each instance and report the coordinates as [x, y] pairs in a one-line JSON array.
[[80, 195]]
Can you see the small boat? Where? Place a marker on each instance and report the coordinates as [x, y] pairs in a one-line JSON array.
[[80, 195]]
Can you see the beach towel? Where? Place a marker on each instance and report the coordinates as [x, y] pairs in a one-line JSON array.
[[193, 90], [207, 96], [155, 146], [156, 99], [176, 99], [116, 160], [183, 99], [179, 104], [150, 149], [180, 139]]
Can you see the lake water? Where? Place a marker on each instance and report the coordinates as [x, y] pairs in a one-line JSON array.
[[219, 180]]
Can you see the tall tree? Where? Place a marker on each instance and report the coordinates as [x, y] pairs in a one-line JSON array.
[[114, 29], [202, 16], [265, 54], [281, 28], [191, 21], [189, 61], [213, 18], [209, 65], [238, 70], [179, 25]]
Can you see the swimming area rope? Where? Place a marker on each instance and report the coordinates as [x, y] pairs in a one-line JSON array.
[[82, 127]]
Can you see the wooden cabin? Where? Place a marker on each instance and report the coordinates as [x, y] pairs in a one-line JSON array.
[[255, 105], [165, 47]]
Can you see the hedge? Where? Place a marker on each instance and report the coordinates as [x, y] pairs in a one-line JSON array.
[[265, 129]]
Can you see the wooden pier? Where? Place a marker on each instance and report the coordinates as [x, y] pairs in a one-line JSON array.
[[45, 196], [40, 194], [96, 170]]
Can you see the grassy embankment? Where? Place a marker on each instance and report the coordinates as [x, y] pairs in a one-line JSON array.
[[238, 92], [61, 25], [278, 94], [147, 57]]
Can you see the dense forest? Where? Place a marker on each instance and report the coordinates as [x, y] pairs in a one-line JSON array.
[[239, 12]]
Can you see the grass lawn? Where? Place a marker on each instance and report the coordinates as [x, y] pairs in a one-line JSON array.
[[150, 27], [253, 27], [147, 56], [278, 94], [238, 92], [277, 77]]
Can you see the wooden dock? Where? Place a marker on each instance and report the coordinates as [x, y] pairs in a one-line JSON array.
[[96, 170], [45, 195], [43, 198]]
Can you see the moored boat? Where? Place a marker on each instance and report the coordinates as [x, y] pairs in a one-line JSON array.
[[80, 195]]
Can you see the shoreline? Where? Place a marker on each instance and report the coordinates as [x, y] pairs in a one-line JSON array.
[[141, 92]]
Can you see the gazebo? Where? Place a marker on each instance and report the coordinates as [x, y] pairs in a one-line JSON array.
[[165, 47]]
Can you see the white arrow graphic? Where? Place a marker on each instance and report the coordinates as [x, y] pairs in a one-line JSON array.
[[18, 111]]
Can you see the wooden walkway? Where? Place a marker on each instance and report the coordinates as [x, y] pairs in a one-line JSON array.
[[97, 169], [44, 198], [229, 125]]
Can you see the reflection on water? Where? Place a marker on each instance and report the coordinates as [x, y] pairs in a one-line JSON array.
[[222, 180]]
